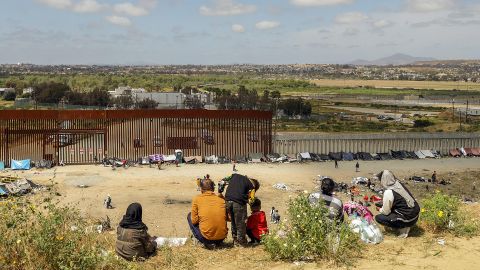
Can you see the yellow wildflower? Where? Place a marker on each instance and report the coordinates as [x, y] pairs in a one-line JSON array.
[[60, 238], [440, 213], [422, 210], [19, 241]]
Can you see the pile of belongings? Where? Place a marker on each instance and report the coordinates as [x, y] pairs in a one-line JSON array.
[[224, 160], [255, 157], [144, 160], [362, 222], [12, 186], [360, 181], [155, 158], [281, 186], [304, 156], [169, 158], [418, 179], [43, 164], [240, 159], [193, 159], [211, 159]]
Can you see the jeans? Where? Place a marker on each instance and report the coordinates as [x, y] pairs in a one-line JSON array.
[[198, 234], [238, 214], [393, 222]]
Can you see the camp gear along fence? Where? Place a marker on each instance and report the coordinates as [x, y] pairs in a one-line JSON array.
[[81, 136]]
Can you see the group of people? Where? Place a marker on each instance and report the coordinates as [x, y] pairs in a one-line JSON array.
[[207, 220], [210, 213], [399, 209]]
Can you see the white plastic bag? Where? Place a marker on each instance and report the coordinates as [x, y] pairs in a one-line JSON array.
[[369, 233]]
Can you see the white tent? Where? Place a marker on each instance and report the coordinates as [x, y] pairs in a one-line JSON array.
[[305, 155], [420, 154], [428, 153]]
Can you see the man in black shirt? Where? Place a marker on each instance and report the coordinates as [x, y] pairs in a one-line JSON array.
[[237, 196]]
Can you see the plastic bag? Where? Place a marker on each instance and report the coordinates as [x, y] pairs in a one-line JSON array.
[[369, 232]]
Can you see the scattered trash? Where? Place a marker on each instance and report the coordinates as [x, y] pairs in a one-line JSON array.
[[360, 181], [171, 242], [441, 242], [281, 186], [83, 186], [299, 263]]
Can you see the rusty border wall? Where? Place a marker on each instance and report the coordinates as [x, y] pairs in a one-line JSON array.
[[81, 136], [290, 143]]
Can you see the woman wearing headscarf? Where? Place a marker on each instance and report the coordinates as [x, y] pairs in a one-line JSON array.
[[133, 240], [400, 210]]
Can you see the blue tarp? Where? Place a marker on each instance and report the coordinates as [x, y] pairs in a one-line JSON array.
[[20, 164], [2, 166], [3, 190]]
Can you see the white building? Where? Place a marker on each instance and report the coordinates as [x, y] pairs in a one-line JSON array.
[[165, 100], [126, 90], [3, 91], [28, 90]]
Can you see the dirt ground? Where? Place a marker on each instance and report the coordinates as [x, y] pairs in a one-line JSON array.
[[166, 196]]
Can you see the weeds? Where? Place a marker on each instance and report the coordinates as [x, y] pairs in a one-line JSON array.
[[50, 237], [443, 213], [310, 235]]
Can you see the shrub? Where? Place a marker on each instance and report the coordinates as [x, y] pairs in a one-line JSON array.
[[10, 96], [420, 123], [51, 237], [310, 235], [443, 213]]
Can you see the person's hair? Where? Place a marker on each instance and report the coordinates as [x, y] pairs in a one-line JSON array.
[[327, 187], [256, 203], [255, 183], [207, 185]]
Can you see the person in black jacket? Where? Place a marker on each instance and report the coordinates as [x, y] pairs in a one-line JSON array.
[[400, 210], [239, 190]]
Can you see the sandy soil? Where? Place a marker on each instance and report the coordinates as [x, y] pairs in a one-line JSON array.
[[397, 84], [166, 196]]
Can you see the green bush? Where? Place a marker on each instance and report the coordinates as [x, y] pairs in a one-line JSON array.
[[443, 213], [310, 235], [10, 96], [51, 237], [421, 123]]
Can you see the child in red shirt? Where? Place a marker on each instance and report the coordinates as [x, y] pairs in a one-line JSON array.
[[257, 222]]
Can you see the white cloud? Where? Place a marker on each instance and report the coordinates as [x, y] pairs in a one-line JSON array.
[[350, 18], [264, 25], [60, 4], [88, 6], [238, 28], [227, 8], [130, 9], [430, 5], [382, 24], [310, 3], [117, 20]]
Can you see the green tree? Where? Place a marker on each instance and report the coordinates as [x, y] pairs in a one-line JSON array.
[[124, 102], [146, 104], [50, 92], [9, 96]]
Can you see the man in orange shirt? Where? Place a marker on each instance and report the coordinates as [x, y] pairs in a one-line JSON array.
[[208, 219]]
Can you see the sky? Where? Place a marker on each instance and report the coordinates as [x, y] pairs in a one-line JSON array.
[[130, 32]]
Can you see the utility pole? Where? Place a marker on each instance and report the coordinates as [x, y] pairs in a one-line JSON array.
[[466, 114], [453, 110]]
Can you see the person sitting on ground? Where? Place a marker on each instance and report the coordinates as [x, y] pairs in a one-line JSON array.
[[240, 191], [334, 204], [257, 222], [399, 210], [133, 240], [208, 219]]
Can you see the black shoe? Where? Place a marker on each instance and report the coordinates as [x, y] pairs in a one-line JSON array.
[[210, 246]]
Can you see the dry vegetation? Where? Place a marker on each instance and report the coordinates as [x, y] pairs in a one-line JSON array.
[[435, 85]]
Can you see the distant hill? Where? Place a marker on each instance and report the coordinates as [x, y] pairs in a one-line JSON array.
[[396, 60]]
